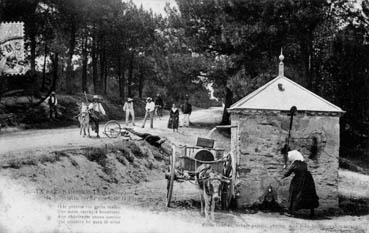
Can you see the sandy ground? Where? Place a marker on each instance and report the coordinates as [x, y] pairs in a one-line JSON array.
[[353, 185], [26, 213], [142, 206]]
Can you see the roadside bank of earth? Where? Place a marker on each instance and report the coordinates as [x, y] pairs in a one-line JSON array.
[[89, 171]]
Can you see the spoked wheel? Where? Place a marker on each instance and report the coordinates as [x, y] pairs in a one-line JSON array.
[[170, 181], [112, 129]]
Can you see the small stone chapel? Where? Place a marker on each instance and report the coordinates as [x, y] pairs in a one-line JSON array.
[[262, 123]]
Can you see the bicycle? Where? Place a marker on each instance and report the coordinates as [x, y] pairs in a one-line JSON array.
[[159, 111]]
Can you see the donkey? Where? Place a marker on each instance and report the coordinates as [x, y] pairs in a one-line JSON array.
[[84, 120], [210, 184]]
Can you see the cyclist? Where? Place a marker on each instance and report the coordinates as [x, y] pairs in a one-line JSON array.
[[159, 104]]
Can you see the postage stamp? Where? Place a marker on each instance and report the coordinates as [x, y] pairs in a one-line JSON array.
[[12, 49]]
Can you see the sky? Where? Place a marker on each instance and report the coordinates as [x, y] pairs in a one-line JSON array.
[[156, 5]]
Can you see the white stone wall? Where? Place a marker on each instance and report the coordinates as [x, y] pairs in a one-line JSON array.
[[257, 145]]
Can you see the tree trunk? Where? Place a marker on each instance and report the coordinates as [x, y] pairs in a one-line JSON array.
[[227, 103], [44, 68], [122, 83], [33, 51], [102, 63], [120, 77], [105, 71], [70, 73], [141, 83], [94, 61], [84, 64], [306, 44], [106, 79], [130, 75], [55, 70]]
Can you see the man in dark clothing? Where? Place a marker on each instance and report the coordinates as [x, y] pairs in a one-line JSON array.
[[151, 139], [53, 102], [159, 104], [186, 110], [96, 111]]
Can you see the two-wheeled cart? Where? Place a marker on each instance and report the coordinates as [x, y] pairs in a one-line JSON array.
[[185, 161]]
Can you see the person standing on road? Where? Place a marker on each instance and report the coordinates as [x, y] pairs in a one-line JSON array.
[[53, 102], [173, 118], [187, 110], [159, 104], [96, 111], [128, 108], [150, 109]]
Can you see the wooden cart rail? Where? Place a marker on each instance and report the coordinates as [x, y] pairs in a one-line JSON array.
[[190, 151], [200, 147], [191, 164]]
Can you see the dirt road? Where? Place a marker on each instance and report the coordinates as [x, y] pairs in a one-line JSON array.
[[54, 139]]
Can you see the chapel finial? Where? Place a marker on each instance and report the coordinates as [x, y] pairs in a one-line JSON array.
[[281, 65]]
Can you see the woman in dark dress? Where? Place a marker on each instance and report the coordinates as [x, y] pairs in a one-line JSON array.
[[302, 193], [173, 118]]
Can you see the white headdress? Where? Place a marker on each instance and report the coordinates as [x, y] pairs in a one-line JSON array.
[[295, 155]]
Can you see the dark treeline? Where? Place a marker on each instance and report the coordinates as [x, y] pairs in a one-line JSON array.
[[106, 47], [92, 40], [118, 49]]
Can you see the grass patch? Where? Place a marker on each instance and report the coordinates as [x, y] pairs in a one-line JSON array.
[[136, 150], [356, 207], [18, 163], [121, 158], [33, 160], [96, 155], [149, 164], [73, 162], [353, 165], [127, 155]]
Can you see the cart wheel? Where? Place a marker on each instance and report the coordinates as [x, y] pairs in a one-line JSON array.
[[112, 129], [170, 181]]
